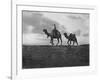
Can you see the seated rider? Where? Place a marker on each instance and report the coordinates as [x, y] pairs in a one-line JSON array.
[[55, 30]]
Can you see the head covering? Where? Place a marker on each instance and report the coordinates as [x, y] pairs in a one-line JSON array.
[[54, 26]]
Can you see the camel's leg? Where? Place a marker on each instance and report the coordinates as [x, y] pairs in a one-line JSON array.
[[61, 40], [58, 41], [73, 43], [68, 42], [52, 41], [76, 42]]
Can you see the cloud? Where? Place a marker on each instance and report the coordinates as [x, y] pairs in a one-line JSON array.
[[81, 19], [28, 28], [83, 40], [32, 19], [35, 39], [38, 21], [77, 32], [79, 23], [35, 22], [62, 28], [81, 16], [31, 13], [86, 35], [74, 17]]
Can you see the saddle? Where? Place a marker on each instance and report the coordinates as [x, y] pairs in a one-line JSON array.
[[55, 33], [72, 36]]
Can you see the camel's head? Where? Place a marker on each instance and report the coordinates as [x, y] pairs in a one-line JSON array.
[[65, 34], [46, 32]]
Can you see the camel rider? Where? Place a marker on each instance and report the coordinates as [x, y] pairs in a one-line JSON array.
[[55, 30]]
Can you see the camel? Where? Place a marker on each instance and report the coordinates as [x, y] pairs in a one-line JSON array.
[[52, 36], [71, 38]]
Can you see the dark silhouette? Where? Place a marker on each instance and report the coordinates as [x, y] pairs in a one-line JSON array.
[[55, 34], [54, 31], [71, 38]]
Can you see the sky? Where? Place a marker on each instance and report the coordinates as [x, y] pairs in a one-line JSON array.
[[34, 22]]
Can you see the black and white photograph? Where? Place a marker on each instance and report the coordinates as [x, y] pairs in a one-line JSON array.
[[55, 39]]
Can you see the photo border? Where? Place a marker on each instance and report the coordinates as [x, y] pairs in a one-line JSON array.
[[17, 35]]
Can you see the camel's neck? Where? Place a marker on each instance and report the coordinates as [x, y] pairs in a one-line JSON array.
[[67, 36], [48, 34]]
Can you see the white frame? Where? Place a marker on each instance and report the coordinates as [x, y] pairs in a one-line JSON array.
[[18, 73]]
